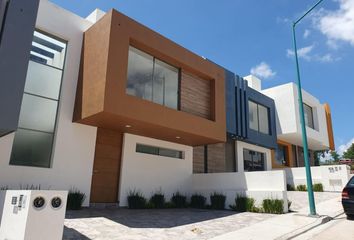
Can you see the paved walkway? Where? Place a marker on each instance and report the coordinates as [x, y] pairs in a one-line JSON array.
[[193, 224], [169, 224], [290, 225], [339, 228], [300, 199]]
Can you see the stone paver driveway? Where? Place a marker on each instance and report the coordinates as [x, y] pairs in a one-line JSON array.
[[300, 199], [171, 224]]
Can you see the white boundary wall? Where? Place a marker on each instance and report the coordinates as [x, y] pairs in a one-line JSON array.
[[259, 185], [74, 144], [150, 173], [333, 177]]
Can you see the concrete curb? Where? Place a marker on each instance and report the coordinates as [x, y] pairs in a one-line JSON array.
[[320, 221]]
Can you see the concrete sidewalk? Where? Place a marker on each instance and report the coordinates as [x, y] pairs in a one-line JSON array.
[[289, 225]]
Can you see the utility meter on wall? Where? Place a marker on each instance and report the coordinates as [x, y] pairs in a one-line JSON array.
[[29, 210]]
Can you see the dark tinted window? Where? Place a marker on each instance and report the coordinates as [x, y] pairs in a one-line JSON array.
[[253, 161], [141, 148]]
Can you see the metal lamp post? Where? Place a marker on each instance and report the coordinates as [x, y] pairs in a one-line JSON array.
[[302, 119]]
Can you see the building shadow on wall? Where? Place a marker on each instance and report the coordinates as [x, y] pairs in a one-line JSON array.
[[151, 218]]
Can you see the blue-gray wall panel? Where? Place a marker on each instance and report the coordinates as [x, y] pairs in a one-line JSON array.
[[230, 102], [15, 45]]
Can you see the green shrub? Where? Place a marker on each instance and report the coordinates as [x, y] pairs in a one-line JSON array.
[[169, 205], [75, 199], [158, 200], [273, 206], [179, 200], [198, 201], [244, 204], [136, 200], [217, 201], [317, 187], [290, 187], [301, 187]]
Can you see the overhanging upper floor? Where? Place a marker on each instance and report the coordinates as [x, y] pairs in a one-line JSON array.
[[135, 80]]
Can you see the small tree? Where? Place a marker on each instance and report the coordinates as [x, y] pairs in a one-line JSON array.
[[335, 156], [349, 154]]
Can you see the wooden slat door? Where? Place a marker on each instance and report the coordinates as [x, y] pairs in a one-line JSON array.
[[106, 167]]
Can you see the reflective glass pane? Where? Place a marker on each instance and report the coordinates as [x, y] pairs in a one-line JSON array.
[[43, 80], [31, 148], [280, 155], [170, 153], [147, 149], [253, 161], [263, 119], [158, 83], [140, 69], [38, 113], [308, 116], [253, 115], [166, 79]]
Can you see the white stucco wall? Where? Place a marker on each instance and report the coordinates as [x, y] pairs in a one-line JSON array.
[[74, 144], [259, 185], [288, 120], [243, 145], [150, 173], [333, 177]]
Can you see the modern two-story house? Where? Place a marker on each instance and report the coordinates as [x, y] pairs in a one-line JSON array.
[[106, 105]]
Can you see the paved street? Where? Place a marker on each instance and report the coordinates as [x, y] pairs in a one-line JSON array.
[[339, 228]]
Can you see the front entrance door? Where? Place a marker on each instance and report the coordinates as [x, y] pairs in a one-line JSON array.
[[106, 167]]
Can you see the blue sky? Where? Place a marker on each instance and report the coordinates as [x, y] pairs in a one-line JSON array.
[[244, 35]]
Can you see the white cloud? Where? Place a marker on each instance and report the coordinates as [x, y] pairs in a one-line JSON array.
[[306, 53], [307, 33], [301, 53], [263, 70], [342, 148], [337, 25]]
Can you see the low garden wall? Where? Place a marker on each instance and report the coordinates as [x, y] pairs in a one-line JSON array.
[[332, 177], [258, 185]]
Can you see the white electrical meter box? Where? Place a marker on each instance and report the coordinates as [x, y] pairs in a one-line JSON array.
[[33, 214]]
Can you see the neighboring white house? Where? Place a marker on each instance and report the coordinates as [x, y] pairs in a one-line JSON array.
[[288, 120]]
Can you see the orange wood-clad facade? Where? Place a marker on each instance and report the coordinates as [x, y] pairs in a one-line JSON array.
[[106, 167], [329, 126], [101, 94]]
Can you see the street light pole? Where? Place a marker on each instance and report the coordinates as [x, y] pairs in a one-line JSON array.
[[302, 119]]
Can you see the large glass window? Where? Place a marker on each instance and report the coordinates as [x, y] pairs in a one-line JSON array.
[[258, 117], [281, 155], [308, 116], [152, 79], [253, 161], [34, 138]]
